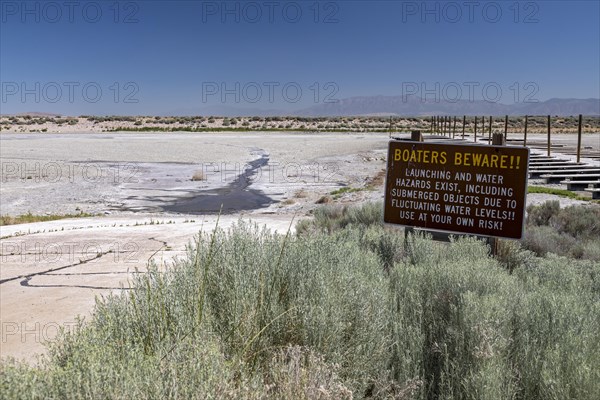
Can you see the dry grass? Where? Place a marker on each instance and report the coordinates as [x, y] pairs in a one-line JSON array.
[[301, 194], [378, 180], [324, 200], [29, 218], [198, 176]]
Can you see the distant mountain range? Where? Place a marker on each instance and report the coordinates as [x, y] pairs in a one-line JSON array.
[[413, 106], [409, 106], [399, 106], [32, 114]]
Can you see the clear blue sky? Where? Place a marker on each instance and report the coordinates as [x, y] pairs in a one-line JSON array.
[[176, 55]]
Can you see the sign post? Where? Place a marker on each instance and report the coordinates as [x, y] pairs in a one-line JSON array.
[[457, 188]]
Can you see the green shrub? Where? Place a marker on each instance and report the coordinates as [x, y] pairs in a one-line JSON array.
[[335, 217], [540, 215], [252, 314], [545, 239], [573, 231], [579, 221]]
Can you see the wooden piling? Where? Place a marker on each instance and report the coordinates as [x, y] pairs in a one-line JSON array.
[[525, 134], [443, 130], [549, 140], [416, 136], [498, 140], [579, 137], [454, 128], [445, 125]]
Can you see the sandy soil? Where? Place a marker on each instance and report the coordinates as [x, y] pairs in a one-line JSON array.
[[52, 271]]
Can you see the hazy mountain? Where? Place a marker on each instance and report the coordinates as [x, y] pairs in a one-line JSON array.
[[563, 107], [414, 106], [227, 111], [396, 105], [32, 114]]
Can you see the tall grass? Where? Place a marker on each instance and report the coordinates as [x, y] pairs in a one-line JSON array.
[[252, 314]]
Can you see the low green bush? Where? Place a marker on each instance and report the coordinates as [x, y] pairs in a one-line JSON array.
[[354, 313], [572, 231], [335, 217]]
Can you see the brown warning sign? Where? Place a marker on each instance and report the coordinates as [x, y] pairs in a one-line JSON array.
[[472, 189]]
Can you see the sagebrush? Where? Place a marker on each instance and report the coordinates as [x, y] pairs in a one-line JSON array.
[[347, 312]]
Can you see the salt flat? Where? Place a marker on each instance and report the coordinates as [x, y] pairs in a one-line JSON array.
[[94, 173]]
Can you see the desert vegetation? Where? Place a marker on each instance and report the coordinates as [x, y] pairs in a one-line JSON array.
[[571, 231], [343, 308], [29, 217], [561, 192], [29, 123]]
